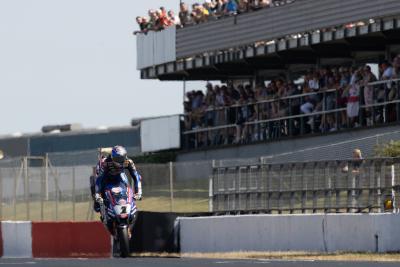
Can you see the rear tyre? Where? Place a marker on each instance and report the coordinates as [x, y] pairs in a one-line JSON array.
[[123, 242]]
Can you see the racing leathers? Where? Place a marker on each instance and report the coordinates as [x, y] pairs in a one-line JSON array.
[[111, 173]]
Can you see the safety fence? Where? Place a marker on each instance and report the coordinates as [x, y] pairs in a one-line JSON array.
[[370, 185], [32, 188], [285, 117]]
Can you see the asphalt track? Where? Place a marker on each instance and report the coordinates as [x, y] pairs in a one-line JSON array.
[[182, 262]]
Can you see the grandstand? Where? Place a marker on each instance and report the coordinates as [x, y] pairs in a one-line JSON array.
[[286, 43], [256, 144]]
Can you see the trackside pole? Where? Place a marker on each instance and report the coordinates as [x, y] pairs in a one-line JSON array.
[[46, 175], [393, 191], [210, 188], [171, 185]]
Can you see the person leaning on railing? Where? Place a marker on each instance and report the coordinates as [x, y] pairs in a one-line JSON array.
[[330, 98], [356, 161], [211, 9]]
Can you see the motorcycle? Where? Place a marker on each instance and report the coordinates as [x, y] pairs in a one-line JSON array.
[[118, 214]]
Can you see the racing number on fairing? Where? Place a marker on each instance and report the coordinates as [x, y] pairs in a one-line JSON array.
[[123, 209]]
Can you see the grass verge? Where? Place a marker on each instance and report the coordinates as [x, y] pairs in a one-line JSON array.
[[339, 256]]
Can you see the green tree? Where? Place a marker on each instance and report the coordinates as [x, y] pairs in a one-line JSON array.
[[391, 149]]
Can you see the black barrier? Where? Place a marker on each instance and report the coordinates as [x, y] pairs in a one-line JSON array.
[[158, 232]]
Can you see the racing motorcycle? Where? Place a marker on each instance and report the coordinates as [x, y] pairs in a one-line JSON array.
[[118, 212]]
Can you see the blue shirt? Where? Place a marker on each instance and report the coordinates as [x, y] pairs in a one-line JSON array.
[[231, 6]]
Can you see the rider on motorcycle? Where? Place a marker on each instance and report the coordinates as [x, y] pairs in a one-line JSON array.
[[110, 172]]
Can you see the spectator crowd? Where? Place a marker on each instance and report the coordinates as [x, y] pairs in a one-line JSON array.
[[331, 96], [159, 19]]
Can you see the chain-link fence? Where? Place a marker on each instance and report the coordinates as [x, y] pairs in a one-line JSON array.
[[32, 188], [309, 187]]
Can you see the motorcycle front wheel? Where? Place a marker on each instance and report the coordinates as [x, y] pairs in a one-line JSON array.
[[123, 239]]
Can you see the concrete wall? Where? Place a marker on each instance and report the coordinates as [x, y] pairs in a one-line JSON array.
[[311, 148], [67, 239], [17, 239], [155, 48], [323, 233], [54, 240]]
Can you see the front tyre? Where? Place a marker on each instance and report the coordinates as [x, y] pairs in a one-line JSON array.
[[123, 241]]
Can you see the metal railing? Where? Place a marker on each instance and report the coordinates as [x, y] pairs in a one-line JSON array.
[[221, 126], [313, 187]]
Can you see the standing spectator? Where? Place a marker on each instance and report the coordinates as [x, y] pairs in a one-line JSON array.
[[261, 92], [234, 94], [174, 20], [356, 162], [308, 107], [231, 7], [210, 7], [163, 20], [368, 77], [143, 25], [243, 6], [219, 7], [281, 88], [353, 103], [396, 66], [389, 92], [184, 14], [265, 3], [387, 71], [154, 22]]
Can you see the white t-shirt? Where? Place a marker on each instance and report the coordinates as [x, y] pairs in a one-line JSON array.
[[388, 73]]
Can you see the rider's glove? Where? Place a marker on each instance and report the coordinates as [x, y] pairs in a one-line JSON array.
[[98, 198], [137, 197]]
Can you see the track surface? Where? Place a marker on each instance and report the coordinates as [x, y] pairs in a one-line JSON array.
[[186, 262]]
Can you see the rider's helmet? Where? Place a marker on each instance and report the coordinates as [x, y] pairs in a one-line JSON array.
[[118, 154]]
